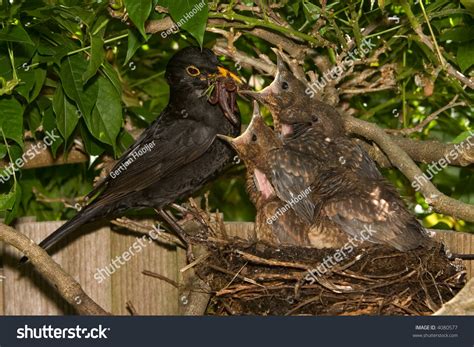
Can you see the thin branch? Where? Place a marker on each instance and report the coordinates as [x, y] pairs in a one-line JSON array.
[[146, 229], [428, 119], [68, 288], [450, 70]]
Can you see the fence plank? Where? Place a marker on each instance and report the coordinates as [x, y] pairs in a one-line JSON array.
[[79, 258], [461, 243], [149, 295]]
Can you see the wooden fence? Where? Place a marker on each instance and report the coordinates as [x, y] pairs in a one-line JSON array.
[[24, 292]]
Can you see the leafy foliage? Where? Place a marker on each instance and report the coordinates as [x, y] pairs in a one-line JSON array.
[[69, 65]]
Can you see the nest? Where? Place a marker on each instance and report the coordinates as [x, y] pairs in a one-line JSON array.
[[259, 279], [255, 278]]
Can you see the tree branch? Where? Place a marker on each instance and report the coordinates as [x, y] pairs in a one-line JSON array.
[[44, 158], [401, 160], [68, 288]]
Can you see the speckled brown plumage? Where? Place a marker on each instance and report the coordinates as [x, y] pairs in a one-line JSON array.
[[348, 194]]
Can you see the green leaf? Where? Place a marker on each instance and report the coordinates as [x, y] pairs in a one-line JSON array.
[[465, 56], [469, 4], [34, 119], [106, 120], [31, 83], [40, 77], [296, 7], [71, 72], [93, 147], [11, 215], [11, 120], [113, 76], [133, 45], [27, 83], [49, 124], [125, 140], [143, 114], [462, 136], [311, 11], [138, 11], [67, 115], [15, 33], [458, 34], [191, 15], [7, 201], [96, 58]]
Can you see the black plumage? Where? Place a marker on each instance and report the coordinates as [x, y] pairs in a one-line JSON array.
[[178, 153]]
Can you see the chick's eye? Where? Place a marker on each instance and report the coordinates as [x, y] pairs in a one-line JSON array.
[[193, 71], [315, 118], [254, 138], [284, 85]]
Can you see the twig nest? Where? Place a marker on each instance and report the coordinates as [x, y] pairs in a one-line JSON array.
[[259, 279]]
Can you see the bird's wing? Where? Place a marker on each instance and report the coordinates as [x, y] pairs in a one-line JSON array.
[[361, 162], [292, 178], [156, 154], [375, 213]]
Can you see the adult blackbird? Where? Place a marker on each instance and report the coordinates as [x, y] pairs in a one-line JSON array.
[[348, 193], [178, 153]]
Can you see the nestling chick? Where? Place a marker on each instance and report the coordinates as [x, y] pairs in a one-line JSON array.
[[347, 190], [278, 221]]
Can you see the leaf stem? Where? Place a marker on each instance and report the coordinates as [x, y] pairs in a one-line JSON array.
[[116, 38]]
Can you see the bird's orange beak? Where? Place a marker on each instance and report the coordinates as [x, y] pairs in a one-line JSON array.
[[223, 72]]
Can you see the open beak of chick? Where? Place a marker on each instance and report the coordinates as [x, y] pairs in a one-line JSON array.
[[246, 137], [267, 95]]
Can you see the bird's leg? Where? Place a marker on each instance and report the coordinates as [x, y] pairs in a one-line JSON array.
[[169, 218]]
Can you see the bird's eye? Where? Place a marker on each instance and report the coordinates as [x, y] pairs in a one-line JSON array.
[[284, 86], [315, 118], [193, 71], [254, 138]]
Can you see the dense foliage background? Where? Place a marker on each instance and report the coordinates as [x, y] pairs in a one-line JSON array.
[[89, 71]]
